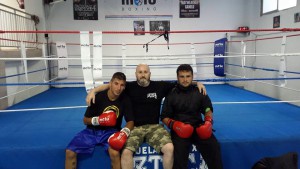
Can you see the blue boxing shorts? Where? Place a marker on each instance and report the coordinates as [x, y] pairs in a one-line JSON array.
[[85, 141]]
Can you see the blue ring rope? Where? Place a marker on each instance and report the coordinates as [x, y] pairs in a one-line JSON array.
[[250, 67], [266, 69], [20, 74]]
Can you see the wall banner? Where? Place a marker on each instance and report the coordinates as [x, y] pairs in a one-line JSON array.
[[189, 8], [85, 9]]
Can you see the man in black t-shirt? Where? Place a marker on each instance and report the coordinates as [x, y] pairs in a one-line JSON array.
[[146, 97], [103, 123]]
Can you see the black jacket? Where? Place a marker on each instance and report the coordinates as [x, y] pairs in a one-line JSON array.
[[186, 105]]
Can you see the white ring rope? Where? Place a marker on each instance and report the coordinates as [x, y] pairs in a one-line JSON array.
[[258, 102], [77, 107], [18, 92], [154, 57], [258, 54], [265, 83], [24, 89], [188, 54], [234, 54], [38, 109]]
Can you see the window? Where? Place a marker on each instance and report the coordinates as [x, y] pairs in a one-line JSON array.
[[277, 5], [269, 6], [285, 4]]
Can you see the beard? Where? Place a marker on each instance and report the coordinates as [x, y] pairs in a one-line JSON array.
[[143, 82]]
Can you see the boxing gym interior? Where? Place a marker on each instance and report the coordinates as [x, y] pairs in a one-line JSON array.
[[246, 53]]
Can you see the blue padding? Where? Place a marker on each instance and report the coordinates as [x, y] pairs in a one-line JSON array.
[[246, 132], [219, 50]]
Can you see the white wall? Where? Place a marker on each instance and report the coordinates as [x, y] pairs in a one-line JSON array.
[[271, 46], [214, 14]]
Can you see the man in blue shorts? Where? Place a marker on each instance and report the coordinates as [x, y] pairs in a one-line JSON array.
[[103, 120], [146, 97]]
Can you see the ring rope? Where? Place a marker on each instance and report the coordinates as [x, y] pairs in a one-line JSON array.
[[38, 109], [266, 83], [258, 102], [188, 54], [151, 58], [163, 43], [106, 67], [18, 92], [201, 80], [20, 74], [24, 90], [265, 69], [219, 103], [157, 32]]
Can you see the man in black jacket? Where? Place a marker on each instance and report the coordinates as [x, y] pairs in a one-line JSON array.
[[182, 113]]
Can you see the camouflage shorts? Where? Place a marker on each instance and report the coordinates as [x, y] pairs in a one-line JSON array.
[[153, 134]]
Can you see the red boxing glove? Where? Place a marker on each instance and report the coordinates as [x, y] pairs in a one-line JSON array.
[[204, 131], [107, 118], [181, 129], [117, 140]]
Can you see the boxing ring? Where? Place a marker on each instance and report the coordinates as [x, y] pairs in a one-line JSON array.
[[249, 125]]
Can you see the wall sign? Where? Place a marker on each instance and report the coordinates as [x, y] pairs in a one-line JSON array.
[[85, 9], [189, 8]]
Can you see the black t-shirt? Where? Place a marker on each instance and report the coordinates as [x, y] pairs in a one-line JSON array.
[[186, 105], [122, 106], [146, 101]]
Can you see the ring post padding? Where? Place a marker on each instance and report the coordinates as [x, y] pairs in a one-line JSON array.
[[282, 64], [97, 58], [23, 54], [219, 53], [86, 60], [243, 58], [124, 58], [45, 61], [61, 49], [194, 62]]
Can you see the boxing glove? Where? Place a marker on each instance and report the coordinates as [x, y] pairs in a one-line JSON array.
[[118, 139], [107, 118], [204, 131], [181, 129]]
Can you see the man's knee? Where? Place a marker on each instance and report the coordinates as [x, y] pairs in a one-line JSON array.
[[127, 153], [113, 154], [168, 148], [70, 154]]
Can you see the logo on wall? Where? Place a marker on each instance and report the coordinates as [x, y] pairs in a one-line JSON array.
[[138, 2], [138, 9], [138, 5], [85, 9]]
